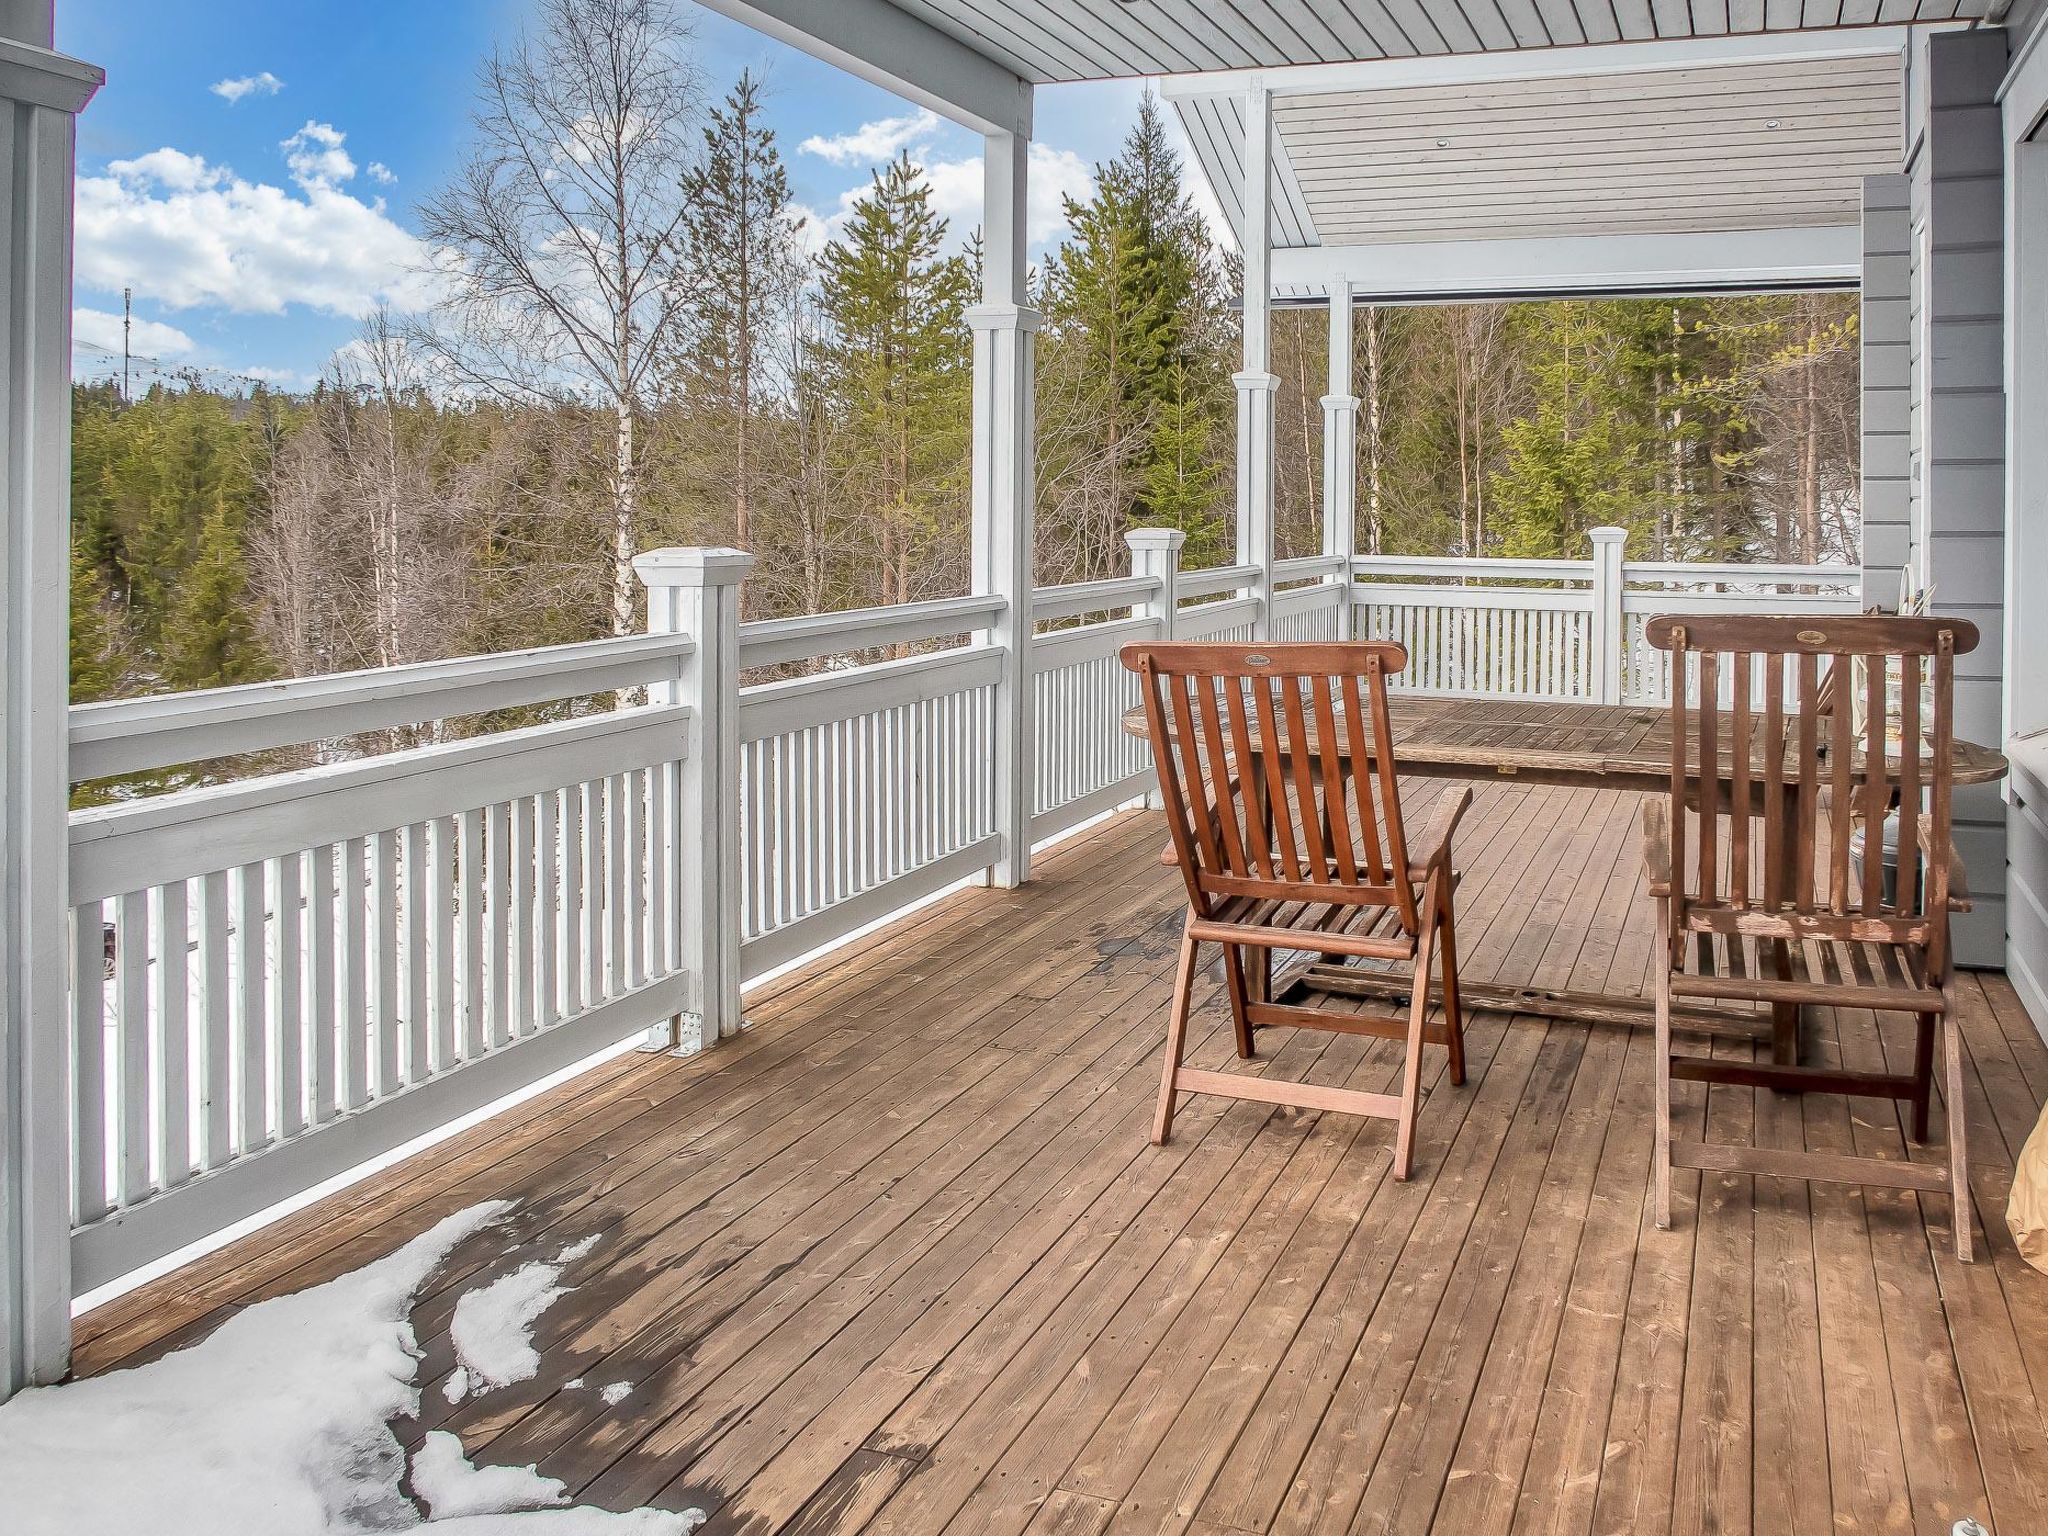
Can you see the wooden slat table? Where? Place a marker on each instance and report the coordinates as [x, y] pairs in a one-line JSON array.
[[1599, 746]]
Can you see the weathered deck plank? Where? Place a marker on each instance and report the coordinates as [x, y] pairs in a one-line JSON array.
[[902, 1259]]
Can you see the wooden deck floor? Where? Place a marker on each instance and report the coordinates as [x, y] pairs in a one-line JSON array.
[[901, 1258]]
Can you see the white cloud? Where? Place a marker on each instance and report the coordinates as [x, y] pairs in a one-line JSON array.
[[1055, 174], [381, 173], [185, 232], [872, 142], [316, 157], [149, 338], [282, 378], [263, 83]]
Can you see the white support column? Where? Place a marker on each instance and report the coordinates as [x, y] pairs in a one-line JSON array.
[[1256, 384], [1610, 633], [1155, 552], [1004, 489], [1340, 454], [696, 592], [41, 93]]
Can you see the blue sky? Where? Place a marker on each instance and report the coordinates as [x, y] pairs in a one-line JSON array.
[[251, 168]]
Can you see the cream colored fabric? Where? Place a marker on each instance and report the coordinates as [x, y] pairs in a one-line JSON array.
[[2027, 1211]]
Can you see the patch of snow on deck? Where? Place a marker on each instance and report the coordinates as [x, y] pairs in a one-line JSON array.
[[279, 1423], [492, 1330], [449, 1486]]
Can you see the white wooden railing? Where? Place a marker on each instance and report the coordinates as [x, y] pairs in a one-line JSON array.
[[279, 977], [1565, 629]]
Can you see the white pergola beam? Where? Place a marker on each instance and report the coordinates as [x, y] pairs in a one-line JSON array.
[[891, 48], [1480, 69], [1656, 263]]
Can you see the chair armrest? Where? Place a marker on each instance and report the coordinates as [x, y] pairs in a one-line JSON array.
[[1432, 845], [1657, 845], [1958, 878]]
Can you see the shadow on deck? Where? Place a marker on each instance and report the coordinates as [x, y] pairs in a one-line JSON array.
[[901, 1257]]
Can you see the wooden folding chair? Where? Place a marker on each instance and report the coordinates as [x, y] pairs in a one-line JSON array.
[[1288, 846], [1776, 913]]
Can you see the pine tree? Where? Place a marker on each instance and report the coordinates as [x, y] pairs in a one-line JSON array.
[[898, 363], [740, 261]]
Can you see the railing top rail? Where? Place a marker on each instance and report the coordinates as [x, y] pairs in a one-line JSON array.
[[772, 642], [137, 735], [1664, 572], [1307, 567], [1464, 568], [1220, 578], [1078, 597], [141, 843]]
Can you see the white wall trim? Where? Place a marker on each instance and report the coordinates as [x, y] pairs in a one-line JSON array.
[[1743, 258]]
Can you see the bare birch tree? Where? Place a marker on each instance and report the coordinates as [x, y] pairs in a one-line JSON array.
[[555, 238]]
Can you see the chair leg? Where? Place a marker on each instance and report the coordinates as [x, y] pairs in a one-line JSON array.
[[1923, 1073], [1958, 1137], [1454, 1010], [1240, 1000], [1411, 1069], [1176, 1037], [1660, 1154]]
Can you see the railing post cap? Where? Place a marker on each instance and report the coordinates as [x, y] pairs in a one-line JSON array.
[[1608, 535], [693, 567], [1155, 538]]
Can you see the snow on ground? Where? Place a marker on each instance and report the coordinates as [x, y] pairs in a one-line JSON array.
[[492, 1329], [278, 1424]]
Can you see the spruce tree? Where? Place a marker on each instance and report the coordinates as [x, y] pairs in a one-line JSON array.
[[741, 264], [209, 633], [1134, 296], [898, 362], [99, 651]]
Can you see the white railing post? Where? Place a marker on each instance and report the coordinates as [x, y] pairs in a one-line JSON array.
[[696, 592], [1610, 633], [41, 93], [1256, 384], [1155, 554], [1340, 456], [1003, 495]]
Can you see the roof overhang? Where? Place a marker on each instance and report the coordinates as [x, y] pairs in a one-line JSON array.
[[1046, 41]]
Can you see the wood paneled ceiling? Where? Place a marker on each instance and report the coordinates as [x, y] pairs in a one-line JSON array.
[[1063, 40], [1781, 144]]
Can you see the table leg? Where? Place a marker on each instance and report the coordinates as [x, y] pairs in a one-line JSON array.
[[1786, 1017]]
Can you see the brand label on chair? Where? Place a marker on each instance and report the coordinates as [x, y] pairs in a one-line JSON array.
[[1257, 659]]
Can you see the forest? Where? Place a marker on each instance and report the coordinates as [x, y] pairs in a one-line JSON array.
[[478, 478]]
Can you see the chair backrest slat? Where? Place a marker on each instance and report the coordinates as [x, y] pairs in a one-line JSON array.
[[1803, 771], [1276, 767]]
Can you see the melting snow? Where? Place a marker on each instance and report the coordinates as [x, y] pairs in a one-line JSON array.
[[278, 1423], [492, 1330], [617, 1393]]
